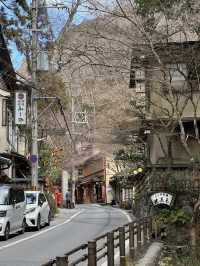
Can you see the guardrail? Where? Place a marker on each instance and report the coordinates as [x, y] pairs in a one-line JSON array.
[[133, 235]]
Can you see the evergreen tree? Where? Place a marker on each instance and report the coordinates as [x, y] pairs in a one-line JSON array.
[[15, 19]]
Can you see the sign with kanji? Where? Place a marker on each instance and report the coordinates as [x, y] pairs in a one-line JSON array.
[[161, 198], [20, 107]]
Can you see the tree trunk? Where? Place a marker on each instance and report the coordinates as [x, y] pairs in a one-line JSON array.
[[193, 235]]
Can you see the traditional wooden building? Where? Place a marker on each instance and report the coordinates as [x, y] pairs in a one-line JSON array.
[[14, 164], [93, 185], [167, 95]]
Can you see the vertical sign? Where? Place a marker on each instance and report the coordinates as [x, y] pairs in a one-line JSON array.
[[20, 108]]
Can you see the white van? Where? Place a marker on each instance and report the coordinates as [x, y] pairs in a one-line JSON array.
[[12, 210]]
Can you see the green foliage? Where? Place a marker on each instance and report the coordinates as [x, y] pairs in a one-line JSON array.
[[178, 217], [188, 261], [128, 155], [171, 180], [165, 261], [48, 163], [153, 6], [182, 259], [16, 20]]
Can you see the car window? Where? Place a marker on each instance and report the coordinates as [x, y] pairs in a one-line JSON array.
[[22, 196], [4, 196], [19, 195], [12, 196], [30, 198]]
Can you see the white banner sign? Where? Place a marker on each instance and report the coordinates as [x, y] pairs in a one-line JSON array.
[[20, 108], [161, 198]]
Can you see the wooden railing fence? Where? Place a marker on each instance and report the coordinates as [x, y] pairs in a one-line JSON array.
[[133, 235]]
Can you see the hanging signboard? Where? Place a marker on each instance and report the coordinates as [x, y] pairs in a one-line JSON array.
[[20, 107], [162, 198]]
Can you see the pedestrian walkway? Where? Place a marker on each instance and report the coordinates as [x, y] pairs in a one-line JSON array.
[[152, 254]]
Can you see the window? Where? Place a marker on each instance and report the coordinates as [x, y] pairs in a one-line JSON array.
[[137, 79], [176, 76], [140, 86], [4, 112], [132, 79], [177, 72]]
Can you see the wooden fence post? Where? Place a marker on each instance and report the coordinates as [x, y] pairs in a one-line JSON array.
[[131, 240], [110, 249], [156, 230], [145, 231], [122, 246], [61, 261], [139, 235], [92, 253], [149, 229]]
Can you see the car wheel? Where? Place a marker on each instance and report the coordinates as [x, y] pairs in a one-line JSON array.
[[23, 227], [6, 232], [49, 219], [38, 223]]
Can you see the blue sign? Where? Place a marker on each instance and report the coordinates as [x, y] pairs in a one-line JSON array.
[[33, 158]]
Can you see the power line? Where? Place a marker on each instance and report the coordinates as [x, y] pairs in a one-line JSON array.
[[66, 123]]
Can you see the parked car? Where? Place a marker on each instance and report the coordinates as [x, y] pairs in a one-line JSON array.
[[37, 209], [12, 208]]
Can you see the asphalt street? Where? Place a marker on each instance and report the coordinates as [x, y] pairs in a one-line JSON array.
[[68, 230]]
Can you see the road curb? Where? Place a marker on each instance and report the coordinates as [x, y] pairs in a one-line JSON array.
[[151, 255]]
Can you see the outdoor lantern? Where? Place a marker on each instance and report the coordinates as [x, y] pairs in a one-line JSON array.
[[140, 170]]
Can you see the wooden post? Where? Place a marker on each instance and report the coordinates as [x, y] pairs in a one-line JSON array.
[[145, 237], [131, 241], [122, 246], [156, 230], [110, 249], [149, 229], [139, 235], [61, 261], [92, 253], [193, 234]]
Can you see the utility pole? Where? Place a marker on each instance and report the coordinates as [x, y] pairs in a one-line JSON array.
[[73, 177], [34, 151]]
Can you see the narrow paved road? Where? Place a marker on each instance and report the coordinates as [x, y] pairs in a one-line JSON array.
[[70, 229]]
